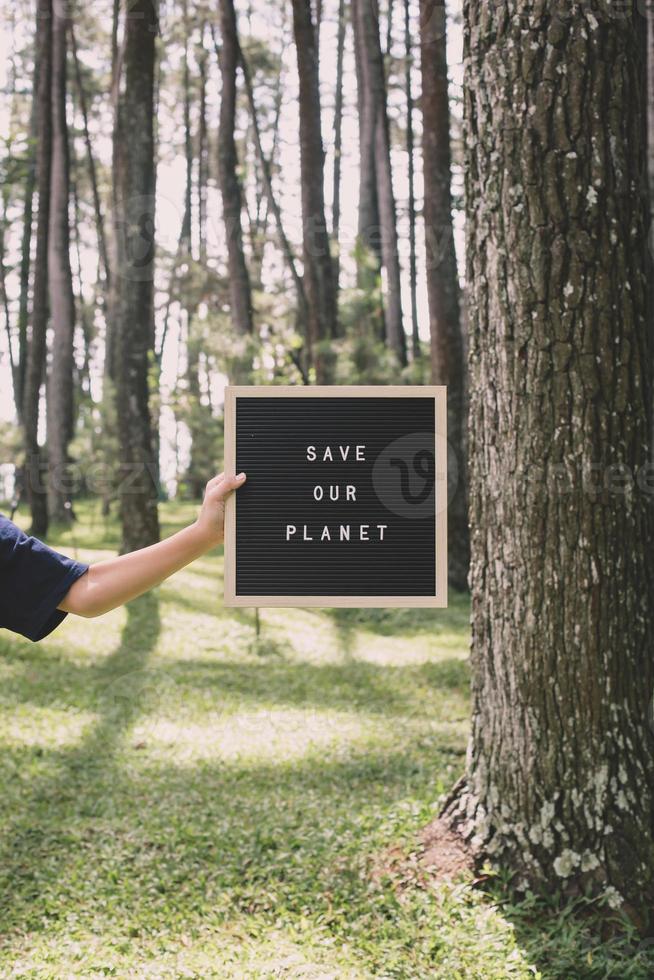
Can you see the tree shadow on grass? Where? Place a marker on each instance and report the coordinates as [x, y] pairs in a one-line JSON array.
[[31, 837], [406, 621]]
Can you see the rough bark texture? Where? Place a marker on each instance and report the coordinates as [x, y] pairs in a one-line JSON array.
[[134, 178], [60, 400], [230, 186], [35, 368], [446, 339], [560, 781], [375, 144], [318, 268]]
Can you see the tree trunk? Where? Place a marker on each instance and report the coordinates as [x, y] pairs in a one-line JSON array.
[[560, 780], [275, 209], [369, 245], [93, 175], [203, 154], [134, 179], [375, 139], [230, 186], [649, 11], [318, 267], [35, 366], [447, 351], [413, 267], [26, 246], [13, 363], [60, 401], [338, 140]]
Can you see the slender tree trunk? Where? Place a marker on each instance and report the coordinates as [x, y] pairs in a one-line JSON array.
[[338, 140], [35, 367], [318, 267], [560, 781], [369, 241], [93, 174], [650, 173], [203, 154], [60, 401], [111, 318], [413, 266], [447, 351], [230, 186], [389, 28], [287, 250], [26, 246], [187, 218], [375, 116], [81, 317], [134, 316], [13, 364]]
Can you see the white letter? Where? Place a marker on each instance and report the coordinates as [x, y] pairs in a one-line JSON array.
[[328, 455], [290, 529], [360, 451], [325, 534], [311, 454], [345, 532], [351, 492], [316, 493], [363, 532], [345, 452], [381, 528], [306, 538], [334, 489]]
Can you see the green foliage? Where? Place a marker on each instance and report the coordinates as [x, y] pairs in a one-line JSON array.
[[362, 356]]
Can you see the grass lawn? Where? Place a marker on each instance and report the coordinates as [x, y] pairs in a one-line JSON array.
[[179, 800]]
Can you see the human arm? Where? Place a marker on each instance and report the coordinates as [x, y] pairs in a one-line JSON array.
[[110, 583]]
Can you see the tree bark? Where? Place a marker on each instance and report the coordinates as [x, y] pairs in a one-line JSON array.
[[266, 173], [134, 178], [375, 140], [203, 153], [410, 142], [26, 247], [560, 780], [230, 186], [649, 13], [446, 337], [338, 140], [60, 400], [318, 267], [369, 259], [93, 174], [35, 365]]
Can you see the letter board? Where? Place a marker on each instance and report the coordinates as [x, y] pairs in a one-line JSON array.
[[345, 502]]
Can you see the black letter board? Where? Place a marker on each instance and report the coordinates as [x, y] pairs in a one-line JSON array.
[[345, 502]]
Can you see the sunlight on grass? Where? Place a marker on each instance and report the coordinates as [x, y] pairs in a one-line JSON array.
[[182, 798], [51, 728]]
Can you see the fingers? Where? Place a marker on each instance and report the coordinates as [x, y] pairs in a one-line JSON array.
[[227, 484], [214, 481]]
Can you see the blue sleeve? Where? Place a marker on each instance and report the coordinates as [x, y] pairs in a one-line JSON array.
[[33, 581]]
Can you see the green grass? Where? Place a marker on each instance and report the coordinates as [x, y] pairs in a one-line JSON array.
[[178, 800]]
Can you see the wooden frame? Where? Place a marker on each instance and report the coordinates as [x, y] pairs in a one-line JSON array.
[[439, 394]]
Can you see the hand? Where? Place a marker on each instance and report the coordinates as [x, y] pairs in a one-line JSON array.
[[211, 519]]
